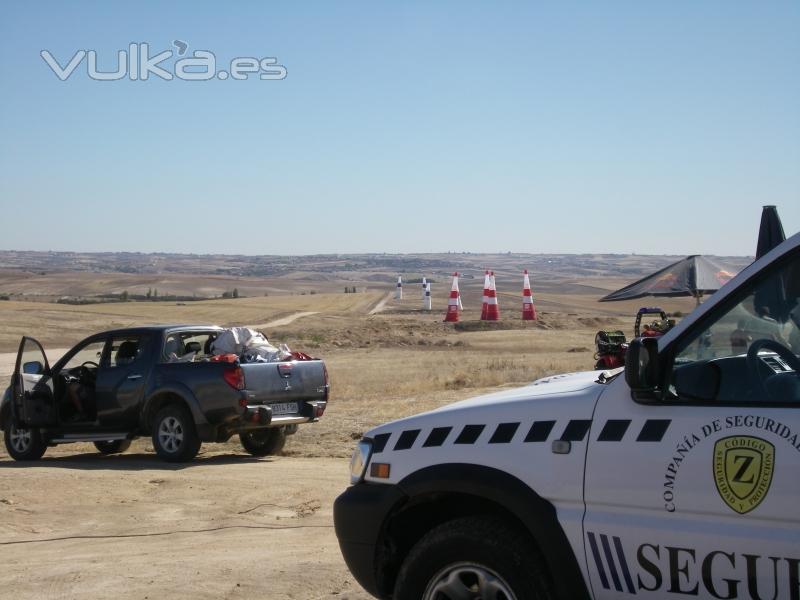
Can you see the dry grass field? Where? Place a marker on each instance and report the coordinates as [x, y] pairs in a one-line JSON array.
[[383, 366], [63, 324], [191, 531]]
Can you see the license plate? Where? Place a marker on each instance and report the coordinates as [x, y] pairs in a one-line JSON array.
[[284, 408]]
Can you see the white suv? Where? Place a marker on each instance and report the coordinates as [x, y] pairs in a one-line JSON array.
[[680, 478]]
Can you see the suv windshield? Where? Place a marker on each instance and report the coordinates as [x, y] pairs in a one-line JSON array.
[[749, 352], [769, 311]]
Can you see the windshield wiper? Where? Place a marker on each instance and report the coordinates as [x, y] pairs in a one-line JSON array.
[[608, 376]]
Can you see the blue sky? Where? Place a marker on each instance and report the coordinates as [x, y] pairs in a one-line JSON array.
[[417, 127]]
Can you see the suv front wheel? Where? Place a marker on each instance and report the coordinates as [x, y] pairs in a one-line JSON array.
[[473, 557]]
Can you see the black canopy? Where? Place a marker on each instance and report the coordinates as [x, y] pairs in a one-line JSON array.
[[770, 233], [771, 294], [692, 276]]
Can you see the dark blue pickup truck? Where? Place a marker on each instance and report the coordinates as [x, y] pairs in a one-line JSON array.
[[160, 381]]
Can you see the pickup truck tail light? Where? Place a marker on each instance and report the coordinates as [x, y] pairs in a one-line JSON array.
[[234, 377], [326, 382]]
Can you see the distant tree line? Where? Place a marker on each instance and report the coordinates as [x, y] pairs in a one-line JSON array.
[[152, 295]]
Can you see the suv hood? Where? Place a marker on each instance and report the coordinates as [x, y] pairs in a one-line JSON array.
[[547, 386], [550, 394]]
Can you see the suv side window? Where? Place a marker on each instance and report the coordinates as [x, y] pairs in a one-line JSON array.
[[188, 346], [125, 350], [712, 364]]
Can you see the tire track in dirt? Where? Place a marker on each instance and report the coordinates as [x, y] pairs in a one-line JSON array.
[[286, 320], [381, 305]]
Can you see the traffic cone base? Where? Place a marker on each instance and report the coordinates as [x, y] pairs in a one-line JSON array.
[[452, 313], [528, 311]]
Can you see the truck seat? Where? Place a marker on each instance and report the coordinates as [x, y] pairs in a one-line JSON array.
[[126, 353]]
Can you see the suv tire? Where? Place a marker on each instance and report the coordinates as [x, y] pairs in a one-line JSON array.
[[471, 557], [175, 437], [112, 446], [23, 444], [264, 442]]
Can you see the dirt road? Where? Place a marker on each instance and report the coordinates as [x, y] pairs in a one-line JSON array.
[[381, 306], [285, 320], [80, 525]]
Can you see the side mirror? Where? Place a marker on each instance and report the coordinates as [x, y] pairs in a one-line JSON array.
[[33, 368], [642, 367]]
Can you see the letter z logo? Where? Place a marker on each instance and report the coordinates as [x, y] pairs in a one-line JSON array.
[[744, 468]]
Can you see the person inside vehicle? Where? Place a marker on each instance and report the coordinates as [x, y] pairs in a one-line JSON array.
[[793, 297], [80, 392]]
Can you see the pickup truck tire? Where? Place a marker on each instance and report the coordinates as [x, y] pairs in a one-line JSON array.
[[112, 446], [23, 444], [175, 437], [471, 557], [264, 442]]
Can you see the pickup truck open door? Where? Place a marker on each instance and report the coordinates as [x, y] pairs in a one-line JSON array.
[[33, 395]]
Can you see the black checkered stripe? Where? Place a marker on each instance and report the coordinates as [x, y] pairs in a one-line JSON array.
[[575, 430]]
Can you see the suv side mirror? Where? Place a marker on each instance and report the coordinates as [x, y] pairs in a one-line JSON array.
[[33, 368], [642, 367]]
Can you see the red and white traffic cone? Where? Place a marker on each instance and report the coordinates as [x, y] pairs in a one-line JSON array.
[[398, 291], [426, 302], [492, 307], [452, 303], [528, 308], [484, 305]]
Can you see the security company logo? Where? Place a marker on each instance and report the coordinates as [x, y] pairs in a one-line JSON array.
[[743, 467]]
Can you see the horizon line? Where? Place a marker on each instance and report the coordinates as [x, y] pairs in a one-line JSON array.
[[457, 252]]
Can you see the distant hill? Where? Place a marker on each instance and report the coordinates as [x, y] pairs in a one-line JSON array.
[[50, 275], [272, 266]]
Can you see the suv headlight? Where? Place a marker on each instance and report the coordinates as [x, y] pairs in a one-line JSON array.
[[360, 460]]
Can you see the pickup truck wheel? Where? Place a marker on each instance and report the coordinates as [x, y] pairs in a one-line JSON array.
[[264, 442], [175, 437], [23, 444], [112, 446], [474, 557]]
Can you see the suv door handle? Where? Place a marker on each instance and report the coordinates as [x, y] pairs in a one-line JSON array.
[[134, 376]]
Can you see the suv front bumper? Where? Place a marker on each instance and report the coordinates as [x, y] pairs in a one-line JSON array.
[[359, 515]]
